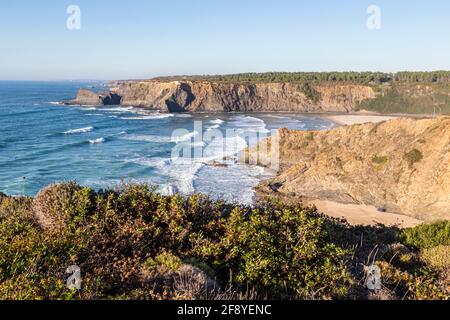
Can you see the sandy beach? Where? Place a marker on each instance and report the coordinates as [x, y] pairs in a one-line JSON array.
[[347, 120], [364, 214]]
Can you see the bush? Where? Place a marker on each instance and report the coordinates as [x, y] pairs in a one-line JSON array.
[[311, 93], [168, 260], [437, 257], [284, 252], [413, 157], [59, 205], [136, 244], [420, 286], [379, 159], [427, 236]]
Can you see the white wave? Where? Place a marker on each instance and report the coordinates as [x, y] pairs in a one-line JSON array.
[[217, 121], [214, 127], [94, 114], [182, 115], [97, 141], [186, 137], [55, 103], [249, 124], [79, 131], [147, 138], [180, 171], [118, 109], [215, 124], [232, 183], [221, 148], [198, 144], [148, 117]]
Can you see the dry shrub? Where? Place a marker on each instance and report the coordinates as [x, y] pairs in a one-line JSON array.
[[168, 275], [58, 205], [437, 257], [192, 283]]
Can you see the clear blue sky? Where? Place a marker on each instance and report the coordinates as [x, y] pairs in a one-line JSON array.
[[145, 38]]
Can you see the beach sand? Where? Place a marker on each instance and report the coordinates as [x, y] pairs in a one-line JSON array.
[[358, 119], [364, 215]]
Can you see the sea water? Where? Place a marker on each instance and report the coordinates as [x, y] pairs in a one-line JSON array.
[[43, 142]]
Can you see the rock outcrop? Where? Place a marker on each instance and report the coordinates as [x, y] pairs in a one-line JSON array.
[[401, 166], [204, 96], [89, 98]]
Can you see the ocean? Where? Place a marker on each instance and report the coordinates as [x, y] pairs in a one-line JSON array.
[[43, 142]]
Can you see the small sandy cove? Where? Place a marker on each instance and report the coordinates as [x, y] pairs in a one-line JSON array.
[[363, 214]]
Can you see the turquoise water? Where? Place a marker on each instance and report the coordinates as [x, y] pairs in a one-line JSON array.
[[42, 142]]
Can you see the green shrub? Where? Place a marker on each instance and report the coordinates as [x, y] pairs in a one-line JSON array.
[[427, 236], [379, 159], [311, 93], [168, 260], [413, 157], [285, 252]]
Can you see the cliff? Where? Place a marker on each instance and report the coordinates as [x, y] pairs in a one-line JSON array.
[[89, 98], [401, 166], [206, 96]]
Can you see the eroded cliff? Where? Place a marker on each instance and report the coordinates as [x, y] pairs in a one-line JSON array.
[[401, 166], [205, 96]]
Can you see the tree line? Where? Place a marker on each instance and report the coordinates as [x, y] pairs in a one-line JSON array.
[[352, 77]]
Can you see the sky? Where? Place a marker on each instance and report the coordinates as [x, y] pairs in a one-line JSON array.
[[137, 39]]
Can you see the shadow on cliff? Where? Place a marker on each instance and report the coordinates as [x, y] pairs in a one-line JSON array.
[[180, 102]]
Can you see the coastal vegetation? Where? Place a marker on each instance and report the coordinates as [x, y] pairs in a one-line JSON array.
[[133, 243], [350, 77]]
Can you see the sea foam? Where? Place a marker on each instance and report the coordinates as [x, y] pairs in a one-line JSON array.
[[79, 131]]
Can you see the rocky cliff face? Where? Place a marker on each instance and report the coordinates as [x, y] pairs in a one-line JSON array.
[[401, 166], [203, 96], [90, 98]]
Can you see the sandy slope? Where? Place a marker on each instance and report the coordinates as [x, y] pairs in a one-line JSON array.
[[364, 214]]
